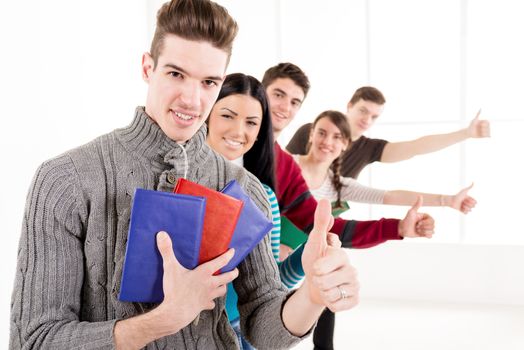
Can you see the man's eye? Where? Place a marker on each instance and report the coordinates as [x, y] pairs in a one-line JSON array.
[[210, 83], [175, 74]]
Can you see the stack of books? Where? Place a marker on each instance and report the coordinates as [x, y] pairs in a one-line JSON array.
[[202, 223]]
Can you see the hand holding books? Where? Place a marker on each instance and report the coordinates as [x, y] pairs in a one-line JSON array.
[[201, 223]]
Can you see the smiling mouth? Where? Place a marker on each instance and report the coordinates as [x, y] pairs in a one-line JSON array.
[[184, 116], [233, 143], [280, 116]]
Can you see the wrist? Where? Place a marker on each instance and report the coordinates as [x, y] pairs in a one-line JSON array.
[[138, 331], [445, 200], [400, 228], [466, 133]]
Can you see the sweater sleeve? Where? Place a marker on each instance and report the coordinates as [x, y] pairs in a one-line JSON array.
[[46, 301], [298, 205], [261, 294], [291, 270], [353, 191]]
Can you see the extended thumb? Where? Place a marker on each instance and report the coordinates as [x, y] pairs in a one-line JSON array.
[[417, 204], [478, 115], [323, 221]]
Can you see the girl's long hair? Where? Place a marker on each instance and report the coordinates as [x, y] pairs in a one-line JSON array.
[[340, 121], [260, 159]]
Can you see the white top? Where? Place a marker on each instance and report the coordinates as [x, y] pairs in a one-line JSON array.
[[351, 190]]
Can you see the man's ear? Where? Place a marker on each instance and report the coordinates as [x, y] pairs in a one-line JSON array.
[[148, 65], [349, 105]]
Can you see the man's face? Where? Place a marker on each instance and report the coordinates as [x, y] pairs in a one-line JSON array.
[[285, 99], [184, 85], [361, 116]]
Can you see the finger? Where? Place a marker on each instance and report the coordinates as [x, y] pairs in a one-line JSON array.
[[417, 204], [334, 294], [333, 240], [322, 221], [334, 259], [485, 128], [425, 232], [165, 246], [466, 189], [225, 278], [219, 262], [478, 114], [347, 303], [218, 292], [344, 275]]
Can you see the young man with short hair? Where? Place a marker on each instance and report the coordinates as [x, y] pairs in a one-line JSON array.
[[76, 221], [363, 109]]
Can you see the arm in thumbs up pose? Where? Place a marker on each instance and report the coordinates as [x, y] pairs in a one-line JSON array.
[[398, 151], [330, 280]]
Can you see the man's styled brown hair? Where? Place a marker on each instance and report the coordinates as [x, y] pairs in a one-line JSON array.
[[197, 20], [287, 70], [368, 93]]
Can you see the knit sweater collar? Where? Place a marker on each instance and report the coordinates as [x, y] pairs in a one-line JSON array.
[[145, 138]]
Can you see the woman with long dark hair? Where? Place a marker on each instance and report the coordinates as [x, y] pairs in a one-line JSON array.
[[239, 128]]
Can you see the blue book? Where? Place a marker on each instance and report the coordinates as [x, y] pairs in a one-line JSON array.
[[251, 227], [182, 217]]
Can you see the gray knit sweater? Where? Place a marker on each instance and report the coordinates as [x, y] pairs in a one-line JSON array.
[[74, 236]]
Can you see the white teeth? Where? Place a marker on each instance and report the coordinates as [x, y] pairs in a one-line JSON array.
[[233, 143], [183, 116]]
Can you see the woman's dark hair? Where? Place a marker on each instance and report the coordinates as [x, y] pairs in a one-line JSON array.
[[340, 121], [260, 159]]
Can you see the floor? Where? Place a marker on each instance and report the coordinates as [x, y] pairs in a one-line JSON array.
[[379, 324]]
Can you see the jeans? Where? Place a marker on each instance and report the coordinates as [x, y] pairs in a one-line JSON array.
[[244, 345]]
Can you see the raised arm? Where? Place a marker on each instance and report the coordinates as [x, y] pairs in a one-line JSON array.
[[460, 201], [330, 280], [398, 151]]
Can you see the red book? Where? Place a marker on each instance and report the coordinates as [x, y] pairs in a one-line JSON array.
[[220, 219]]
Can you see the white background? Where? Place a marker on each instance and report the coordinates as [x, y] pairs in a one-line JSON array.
[[71, 71]]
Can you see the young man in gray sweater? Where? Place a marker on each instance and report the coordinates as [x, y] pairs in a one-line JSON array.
[[77, 214]]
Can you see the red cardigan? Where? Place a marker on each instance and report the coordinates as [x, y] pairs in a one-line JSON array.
[[298, 205]]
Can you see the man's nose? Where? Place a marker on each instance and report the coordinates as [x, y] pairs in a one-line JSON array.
[[190, 95]]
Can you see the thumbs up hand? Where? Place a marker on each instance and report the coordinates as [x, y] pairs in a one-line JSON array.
[[416, 224], [478, 128], [330, 280], [462, 201]]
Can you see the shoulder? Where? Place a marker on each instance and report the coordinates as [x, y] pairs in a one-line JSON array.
[[366, 141]]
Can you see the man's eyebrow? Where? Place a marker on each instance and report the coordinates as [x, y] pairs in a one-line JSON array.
[[280, 91], [181, 70], [231, 111]]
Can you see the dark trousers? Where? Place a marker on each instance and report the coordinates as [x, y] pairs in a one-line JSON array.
[[324, 331]]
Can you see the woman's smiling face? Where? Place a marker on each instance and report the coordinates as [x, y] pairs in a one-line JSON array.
[[234, 124]]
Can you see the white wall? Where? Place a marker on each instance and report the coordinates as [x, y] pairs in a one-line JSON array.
[[71, 72]]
